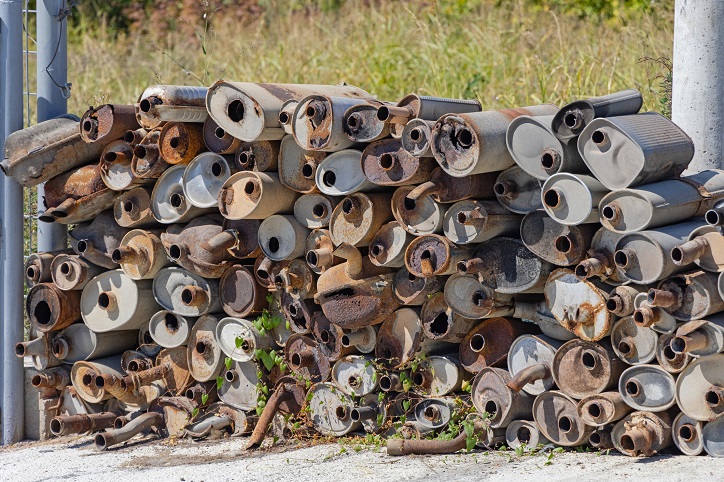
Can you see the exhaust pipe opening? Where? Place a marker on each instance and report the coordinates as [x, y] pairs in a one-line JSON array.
[[712, 217], [174, 142], [713, 398], [465, 138], [418, 379], [56, 427], [250, 188], [325, 336], [284, 118], [273, 244], [116, 256], [66, 268], [410, 204], [129, 137], [110, 157], [598, 137], [219, 133], [246, 159], [477, 342], [87, 379], [523, 435], [20, 349], [633, 387], [36, 381], [595, 410], [235, 110], [128, 206], [595, 438], [503, 188], [346, 342], [176, 200], [308, 172], [571, 120], [319, 210], [589, 360], [613, 304], [565, 424], [563, 244], [354, 381], [386, 161], [687, 432], [376, 250], [341, 412], [230, 376], [491, 407], [174, 251], [385, 383], [551, 198], [547, 160], [440, 324], [217, 169], [677, 254], [383, 113], [133, 366], [139, 151], [348, 206], [669, 353], [87, 126], [608, 212], [353, 121], [311, 111], [99, 382], [625, 348], [329, 179], [678, 345], [415, 134], [83, 246], [145, 105], [201, 347], [431, 413], [621, 259], [171, 322], [32, 273], [42, 313], [312, 259]]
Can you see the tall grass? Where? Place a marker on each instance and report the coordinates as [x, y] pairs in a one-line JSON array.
[[506, 55]]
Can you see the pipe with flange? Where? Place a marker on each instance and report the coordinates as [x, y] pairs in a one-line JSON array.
[[78, 342], [141, 254], [319, 248], [147, 162], [418, 216], [687, 434], [643, 433], [528, 351], [39, 349], [705, 247], [191, 248], [150, 420], [686, 297], [186, 293]]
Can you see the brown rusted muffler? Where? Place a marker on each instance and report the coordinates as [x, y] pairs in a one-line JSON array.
[[133, 208], [387, 163], [361, 123], [556, 243], [583, 368], [603, 408], [180, 142], [411, 290], [82, 423], [71, 272], [46, 150], [643, 433], [76, 196], [686, 297], [356, 293], [38, 267], [147, 162], [191, 246], [434, 255], [107, 122], [447, 189], [260, 156], [358, 217], [495, 392], [51, 309], [319, 248], [141, 254], [488, 344]]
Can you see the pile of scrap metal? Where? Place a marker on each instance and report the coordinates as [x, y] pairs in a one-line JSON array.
[[364, 266]]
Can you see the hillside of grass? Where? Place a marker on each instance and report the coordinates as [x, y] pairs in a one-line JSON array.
[[504, 53]]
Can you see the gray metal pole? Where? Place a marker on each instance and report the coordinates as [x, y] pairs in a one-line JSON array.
[[11, 213], [52, 70], [698, 80]]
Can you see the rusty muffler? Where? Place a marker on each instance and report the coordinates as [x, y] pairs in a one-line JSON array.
[[572, 118], [132, 209], [141, 254], [582, 368], [556, 243], [50, 309], [643, 433], [387, 163]]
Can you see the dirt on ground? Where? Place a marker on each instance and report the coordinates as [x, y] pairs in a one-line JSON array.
[[75, 459]]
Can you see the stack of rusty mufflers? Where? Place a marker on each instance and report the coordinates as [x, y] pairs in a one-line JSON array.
[[377, 267]]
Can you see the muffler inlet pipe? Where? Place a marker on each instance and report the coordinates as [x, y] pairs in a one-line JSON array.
[[113, 437]]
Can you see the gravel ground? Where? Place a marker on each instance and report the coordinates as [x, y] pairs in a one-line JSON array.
[[160, 461]]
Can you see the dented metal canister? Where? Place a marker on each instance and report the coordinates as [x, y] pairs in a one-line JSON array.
[[50, 309], [387, 163], [254, 195], [583, 368], [185, 293], [635, 149], [643, 433], [572, 198], [570, 121], [76, 196], [71, 272], [474, 143], [488, 343], [46, 150], [644, 257], [112, 301], [647, 387], [107, 122], [306, 358], [536, 149], [168, 202], [141, 254], [204, 178], [556, 416], [507, 266], [329, 337], [705, 247], [171, 103], [557, 243], [132, 209], [358, 217], [250, 111], [662, 203]]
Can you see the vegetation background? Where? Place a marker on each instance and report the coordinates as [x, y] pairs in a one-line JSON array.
[[503, 52]]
